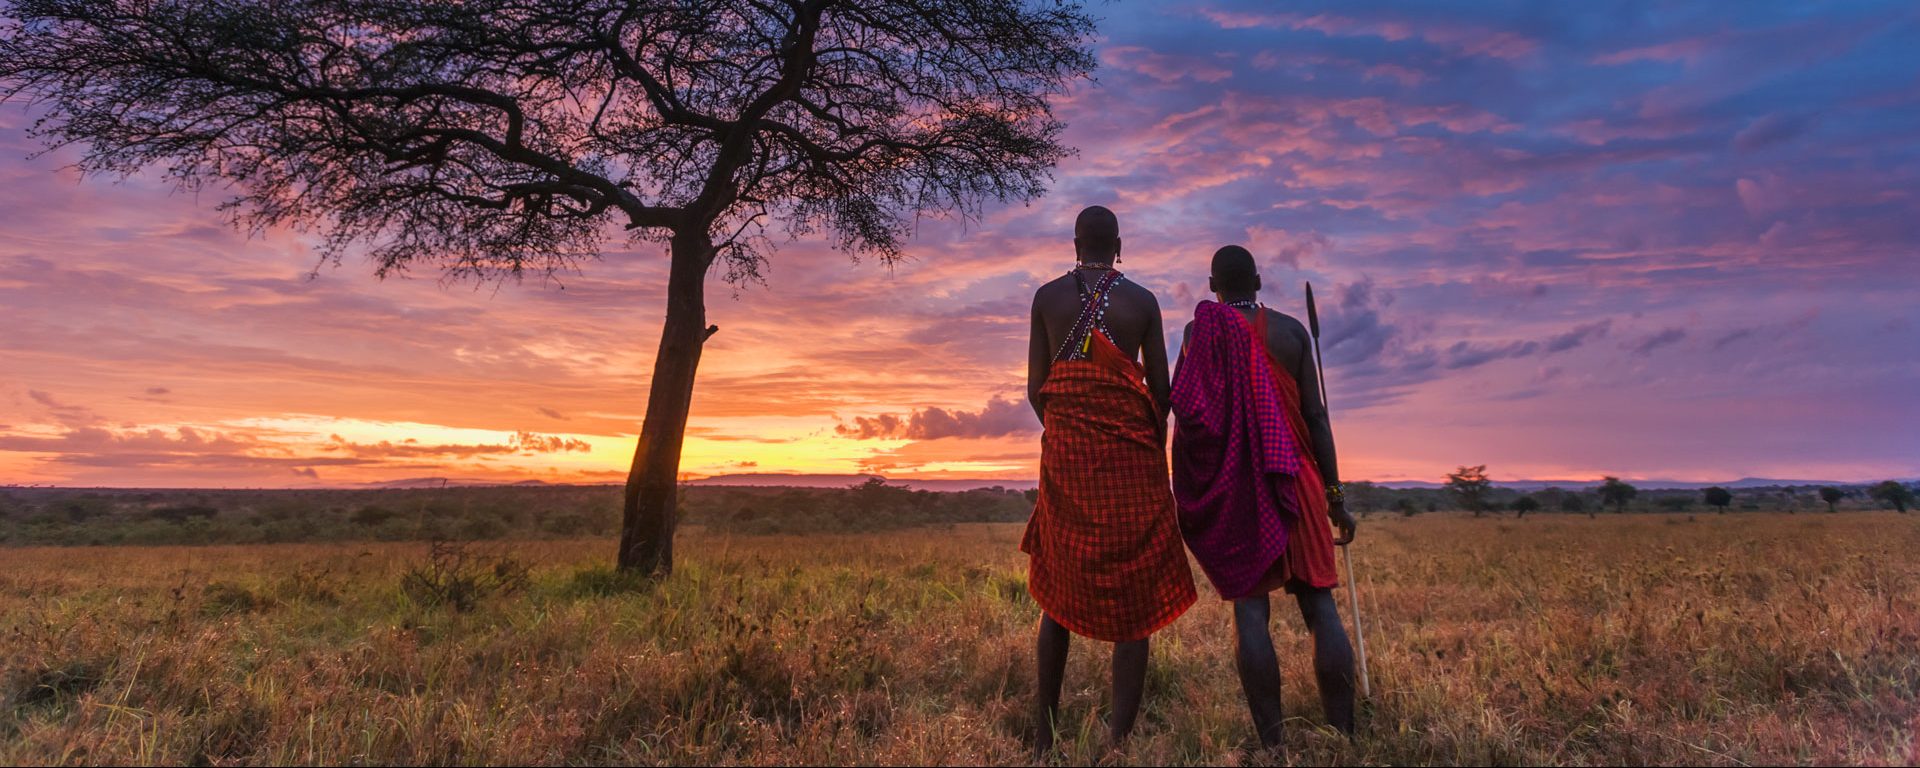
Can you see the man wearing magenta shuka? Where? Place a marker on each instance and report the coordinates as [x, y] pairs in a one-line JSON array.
[[1258, 489]]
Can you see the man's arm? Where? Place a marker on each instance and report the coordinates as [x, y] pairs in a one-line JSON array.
[[1153, 353], [1314, 409], [1039, 362]]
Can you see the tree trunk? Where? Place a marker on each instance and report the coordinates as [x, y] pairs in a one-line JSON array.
[[650, 510]]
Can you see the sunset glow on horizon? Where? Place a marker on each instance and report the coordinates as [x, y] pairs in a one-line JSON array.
[[1565, 241]]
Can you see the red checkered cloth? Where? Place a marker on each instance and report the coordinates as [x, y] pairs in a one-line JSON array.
[[1106, 557], [1252, 505], [1308, 562]]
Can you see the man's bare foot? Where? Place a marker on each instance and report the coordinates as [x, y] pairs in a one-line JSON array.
[[1040, 738]]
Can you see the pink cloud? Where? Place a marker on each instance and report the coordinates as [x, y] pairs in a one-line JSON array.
[[1463, 40], [1164, 67]]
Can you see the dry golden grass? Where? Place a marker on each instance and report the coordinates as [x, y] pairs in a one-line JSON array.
[[1622, 640]]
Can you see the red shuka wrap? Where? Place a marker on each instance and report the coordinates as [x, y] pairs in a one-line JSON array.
[[1308, 561], [1106, 555]]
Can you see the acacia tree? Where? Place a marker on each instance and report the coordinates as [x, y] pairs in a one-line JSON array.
[[1470, 487], [495, 138], [1616, 493], [1718, 497], [1893, 493], [1832, 497]]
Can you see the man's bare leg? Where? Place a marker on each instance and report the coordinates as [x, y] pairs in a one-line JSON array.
[[1332, 657], [1259, 668], [1129, 685], [1051, 650]]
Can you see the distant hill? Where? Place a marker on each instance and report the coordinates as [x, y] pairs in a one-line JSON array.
[[1535, 485], [444, 482], [795, 480]]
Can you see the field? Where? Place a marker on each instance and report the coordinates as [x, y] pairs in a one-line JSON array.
[[1630, 639]]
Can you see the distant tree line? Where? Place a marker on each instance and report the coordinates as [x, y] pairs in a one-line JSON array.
[[1470, 489], [53, 516], [56, 516]]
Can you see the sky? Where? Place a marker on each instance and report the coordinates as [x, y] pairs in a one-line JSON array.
[[1565, 240]]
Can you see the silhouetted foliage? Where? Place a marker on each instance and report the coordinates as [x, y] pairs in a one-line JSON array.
[[1718, 498], [180, 513], [372, 515], [1469, 486], [1675, 502], [1894, 494], [499, 137], [456, 576], [1832, 497], [1521, 506], [1616, 494]]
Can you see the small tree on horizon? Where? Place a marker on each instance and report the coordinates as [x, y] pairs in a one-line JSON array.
[[1718, 498], [1521, 506], [500, 137], [1832, 497], [1469, 486], [1616, 494], [1893, 493]]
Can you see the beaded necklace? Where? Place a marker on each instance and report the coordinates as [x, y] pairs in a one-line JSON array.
[[1093, 314], [1244, 304]]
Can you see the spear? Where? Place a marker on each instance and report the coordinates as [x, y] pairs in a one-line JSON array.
[[1346, 553]]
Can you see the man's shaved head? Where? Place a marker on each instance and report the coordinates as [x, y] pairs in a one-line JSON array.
[[1234, 271], [1096, 235], [1096, 222]]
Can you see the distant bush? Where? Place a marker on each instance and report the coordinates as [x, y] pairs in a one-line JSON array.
[[181, 513], [1717, 497], [372, 515]]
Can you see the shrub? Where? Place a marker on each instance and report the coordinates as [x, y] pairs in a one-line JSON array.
[[372, 515], [224, 597], [456, 577], [180, 513], [602, 581]]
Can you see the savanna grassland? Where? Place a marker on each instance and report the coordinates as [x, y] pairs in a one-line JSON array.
[[1740, 639]]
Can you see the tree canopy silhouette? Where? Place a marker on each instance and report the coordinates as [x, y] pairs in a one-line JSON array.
[[1893, 493], [1718, 497], [1470, 487], [1616, 493], [493, 138], [1832, 497]]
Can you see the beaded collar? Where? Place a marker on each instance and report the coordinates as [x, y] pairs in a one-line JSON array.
[[1094, 301]]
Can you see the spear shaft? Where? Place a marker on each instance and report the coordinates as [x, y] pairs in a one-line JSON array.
[[1346, 552]]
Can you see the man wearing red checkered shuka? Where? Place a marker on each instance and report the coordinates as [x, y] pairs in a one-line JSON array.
[[1106, 558]]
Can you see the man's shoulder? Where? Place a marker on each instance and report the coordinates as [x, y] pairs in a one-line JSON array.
[[1283, 321], [1136, 291], [1054, 288]]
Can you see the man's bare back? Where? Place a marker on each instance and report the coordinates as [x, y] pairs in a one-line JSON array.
[[1133, 314]]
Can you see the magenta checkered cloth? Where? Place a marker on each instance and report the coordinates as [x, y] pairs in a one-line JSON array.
[[1230, 439]]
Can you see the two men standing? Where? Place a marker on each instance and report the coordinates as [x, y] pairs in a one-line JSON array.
[[1255, 491]]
